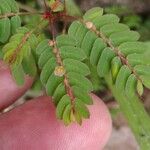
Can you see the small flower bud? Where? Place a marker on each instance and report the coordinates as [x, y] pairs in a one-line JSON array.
[[89, 25], [59, 71], [52, 43]]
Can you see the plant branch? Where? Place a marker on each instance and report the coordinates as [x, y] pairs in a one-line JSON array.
[[19, 14], [24, 39], [122, 57], [13, 57], [61, 70]]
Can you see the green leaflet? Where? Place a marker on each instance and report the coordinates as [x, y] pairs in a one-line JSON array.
[[42, 46], [33, 41], [29, 66], [121, 37], [132, 47], [104, 20], [61, 106], [145, 80], [52, 83], [93, 13], [72, 8], [59, 93], [77, 116], [75, 79], [44, 57], [65, 40], [47, 70], [142, 69], [13, 5], [144, 74], [103, 66], [96, 51], [84, 95], [67, 115], [18, 74], [114, 28], [77, 29], [8, 26], [73, 29], [138, 59], [15, 23], [88, 42], [122, 77], [130, 88], [37, 85], [140, 88], [72, 52], [4, 30], [72, 65], [115, 67], [81, 109], [4, 7]]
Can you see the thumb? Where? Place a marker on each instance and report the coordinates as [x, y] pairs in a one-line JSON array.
[[34, 126]]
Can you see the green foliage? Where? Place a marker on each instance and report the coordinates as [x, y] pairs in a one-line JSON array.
[[8, 26], [118, 10], [97, 49], [136, 21], [116, 52], [76, 71], [72, 8], [113, 48], [133, 21], [18, 54]]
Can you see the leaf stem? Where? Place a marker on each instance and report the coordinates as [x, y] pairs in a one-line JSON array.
[[60, 63]]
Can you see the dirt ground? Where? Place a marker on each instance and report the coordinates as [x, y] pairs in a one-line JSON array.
[[122, 137]]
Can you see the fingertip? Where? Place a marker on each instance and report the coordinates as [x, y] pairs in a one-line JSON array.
[[9, 90], [94, 133], [36, 121], [105, 119]]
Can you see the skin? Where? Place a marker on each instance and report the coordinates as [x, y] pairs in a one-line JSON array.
[[33, 125]]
